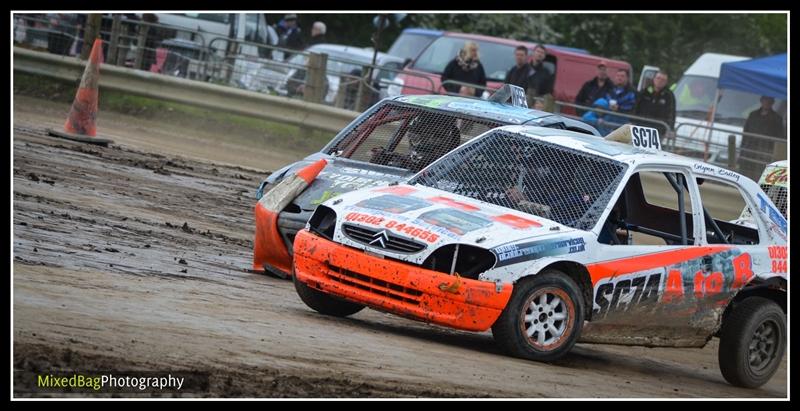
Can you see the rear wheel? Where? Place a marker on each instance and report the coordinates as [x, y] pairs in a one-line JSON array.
[[324, 303], [752, 342], [543, 318]]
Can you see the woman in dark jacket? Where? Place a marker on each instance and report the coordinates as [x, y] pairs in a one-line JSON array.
[[466, 68]]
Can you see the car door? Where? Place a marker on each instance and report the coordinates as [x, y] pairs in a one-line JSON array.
[[644, 263], [655, 286]]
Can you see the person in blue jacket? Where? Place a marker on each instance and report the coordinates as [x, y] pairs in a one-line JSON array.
[[622, 99]]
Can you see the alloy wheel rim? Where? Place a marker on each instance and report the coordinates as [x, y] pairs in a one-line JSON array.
[[548, 318]]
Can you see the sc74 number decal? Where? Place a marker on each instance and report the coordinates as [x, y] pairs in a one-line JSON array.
[[645, 137]]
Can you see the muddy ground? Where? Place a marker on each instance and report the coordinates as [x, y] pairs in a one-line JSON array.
[[135, 257]]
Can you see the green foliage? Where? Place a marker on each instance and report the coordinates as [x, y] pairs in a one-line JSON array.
[[672, 41], [525, 27]]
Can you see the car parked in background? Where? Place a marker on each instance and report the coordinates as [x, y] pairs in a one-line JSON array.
[[571, 68], [412, 41], [344, 66]]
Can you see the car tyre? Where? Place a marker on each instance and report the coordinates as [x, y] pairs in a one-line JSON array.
[[324, 303], [752, 342], [543, 319]]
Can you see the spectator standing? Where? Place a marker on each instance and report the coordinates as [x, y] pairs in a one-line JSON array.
[[595, 88], [657, 102], [540, 82], [765, 120], [519, 73], [318, 30], [756, 152], [290, 35], [622, 99], [466, 67]]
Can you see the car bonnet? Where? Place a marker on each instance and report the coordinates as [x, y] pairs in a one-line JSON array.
[[428, 218]]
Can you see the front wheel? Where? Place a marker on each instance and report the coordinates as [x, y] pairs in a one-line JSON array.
[[543, 318], [324, 303], [752, 342]]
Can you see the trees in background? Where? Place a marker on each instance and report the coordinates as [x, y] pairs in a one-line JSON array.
[[670, 41]]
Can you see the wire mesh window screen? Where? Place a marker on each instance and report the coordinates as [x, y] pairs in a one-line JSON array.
[[777, 194], [408, 137], [532, 176]]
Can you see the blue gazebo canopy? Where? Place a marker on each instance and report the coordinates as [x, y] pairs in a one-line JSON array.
[[764, 76]]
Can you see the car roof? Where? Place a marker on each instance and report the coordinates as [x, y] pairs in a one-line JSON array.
[[436, 33], [482, 108], [472, 106], [621, 152], [482, 37], [709, 64], [504, 113], [565, 48], [427, 32], [562, 50]]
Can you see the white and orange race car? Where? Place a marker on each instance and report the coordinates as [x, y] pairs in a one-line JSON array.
[[550, 237]]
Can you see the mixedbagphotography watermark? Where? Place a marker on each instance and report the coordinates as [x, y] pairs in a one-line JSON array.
[[139, 382]]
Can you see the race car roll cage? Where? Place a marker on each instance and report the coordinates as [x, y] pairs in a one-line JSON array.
[[352, 143], [626, 202]]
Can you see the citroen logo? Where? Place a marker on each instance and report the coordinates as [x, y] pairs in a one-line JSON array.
[[380, 238]]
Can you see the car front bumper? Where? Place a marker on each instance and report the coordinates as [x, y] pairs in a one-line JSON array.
[[396, 287]]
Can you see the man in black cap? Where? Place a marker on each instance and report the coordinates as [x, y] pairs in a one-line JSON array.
[[290, 34], [594, 89]]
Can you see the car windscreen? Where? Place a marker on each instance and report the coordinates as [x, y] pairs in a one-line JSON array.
[[408, 45], [496, 58], [541, 178], [407, 136]]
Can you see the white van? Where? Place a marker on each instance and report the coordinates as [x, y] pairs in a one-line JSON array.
[[694, 99]]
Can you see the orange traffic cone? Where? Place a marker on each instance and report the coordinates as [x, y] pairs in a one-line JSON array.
[[80, 124], [269, 250]]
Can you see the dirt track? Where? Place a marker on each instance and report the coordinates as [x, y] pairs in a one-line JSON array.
[[129, 260]]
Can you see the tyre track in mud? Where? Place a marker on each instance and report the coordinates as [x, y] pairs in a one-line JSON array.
[[144, 206], [131, 260]]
